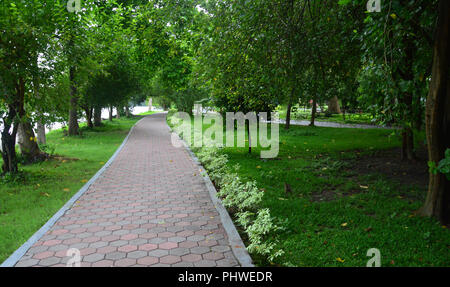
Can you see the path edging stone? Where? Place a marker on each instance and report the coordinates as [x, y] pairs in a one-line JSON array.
[[235, 240], [22, 250]]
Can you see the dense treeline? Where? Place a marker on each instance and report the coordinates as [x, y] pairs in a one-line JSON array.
[[235, 55]]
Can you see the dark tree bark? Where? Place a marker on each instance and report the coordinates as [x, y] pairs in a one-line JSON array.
[[127, 111], [314, 111], [110, 113], [9, 133], [288, 115], [97, 116], [88, 112], [437, 203], [408, 145], [74, 128]]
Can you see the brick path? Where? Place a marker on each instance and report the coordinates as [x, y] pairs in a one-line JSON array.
[[149, 208]]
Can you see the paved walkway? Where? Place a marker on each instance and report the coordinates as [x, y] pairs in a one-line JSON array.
[[149, 208]]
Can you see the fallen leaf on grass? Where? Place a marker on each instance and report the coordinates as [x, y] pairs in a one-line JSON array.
[[45, 194], [364, 186], [66, 189], [84, 180], [339, 259], [344, 224]]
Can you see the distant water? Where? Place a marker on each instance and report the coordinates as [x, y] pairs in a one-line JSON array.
[[105, 115]]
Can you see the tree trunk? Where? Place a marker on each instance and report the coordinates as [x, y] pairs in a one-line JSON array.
[[408, 145], [288, 116], [73, 110], [110, 113], [97, 116], [88, 111], [118, 112], [437, 203], [9, 132], [333, 105], [40, 130], [150, 104], [28, 143], [314, 111], [127, 111], [9, 149]]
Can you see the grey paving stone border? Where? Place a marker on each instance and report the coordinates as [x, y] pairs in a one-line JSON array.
[[15, 257], [237, 245]]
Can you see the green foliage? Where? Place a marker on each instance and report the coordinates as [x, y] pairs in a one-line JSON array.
[[442, 167]]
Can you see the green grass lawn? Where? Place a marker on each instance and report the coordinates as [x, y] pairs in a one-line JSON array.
[[148, 113], [333, 214], [28, 201]]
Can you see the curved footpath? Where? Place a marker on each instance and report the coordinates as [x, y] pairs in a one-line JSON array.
[[149, 207]]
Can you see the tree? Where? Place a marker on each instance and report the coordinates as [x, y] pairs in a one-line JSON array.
[[437, 203], [397, 50], [26, 31]]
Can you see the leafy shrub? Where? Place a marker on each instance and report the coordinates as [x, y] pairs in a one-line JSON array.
[[443, 166], [243, 199]]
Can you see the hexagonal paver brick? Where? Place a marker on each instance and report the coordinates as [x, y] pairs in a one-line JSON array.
[[179, 251], [168, 245], [196, 238], [129, 236], [213, 256], [158, 253], [191, 258], [43, 255], [87, 251], [170, 259], [125, 262], [107, 249], [148, 247], [226, 263], [208, 243], [93, 257], [137, 254], [49, 261], [188, 244], [115, 255], [127, 248], [200, 250], [148, 261], [220, 248]]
